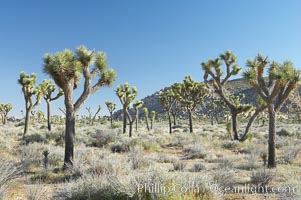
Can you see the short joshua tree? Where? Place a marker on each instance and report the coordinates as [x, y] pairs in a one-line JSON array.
[[145, 111], [4, 110], [168, 100], [126, 95], [136, 106], [190, 94], [153, 117], [46, 89], [28, 83], [111, 107]]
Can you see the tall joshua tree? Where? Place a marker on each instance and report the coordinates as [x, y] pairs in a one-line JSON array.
[[4, 110], [190, 94], [46, 89], [213, 69], [111, 107], [28, 83], [281, 81], [167, 99], [66, 68], [126, 95], [145, 111]]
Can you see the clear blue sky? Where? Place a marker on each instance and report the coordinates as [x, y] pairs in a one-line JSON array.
[[150, 43]]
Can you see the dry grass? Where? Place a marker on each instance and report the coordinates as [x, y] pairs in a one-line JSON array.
[[110, 164]]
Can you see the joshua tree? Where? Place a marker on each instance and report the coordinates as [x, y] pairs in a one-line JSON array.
[[66, 68], [281, 81], [167, 99], [153, 117], [145, 111], [219, 84], [46, 89], [90, 114], [4, 110], [40, 115], [175, 109], [136, 106], [126, 95], [33, 115], [28, 83], [97, 111], [111, 107], [189, 94]]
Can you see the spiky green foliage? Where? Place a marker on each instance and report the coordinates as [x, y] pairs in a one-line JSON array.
[[4, 110], [213, 68], [190, 93], [167, 99], [66, 68], [111, 107], [40, 115], [126, 95], [28, 83], [281, 81], [153, 117]]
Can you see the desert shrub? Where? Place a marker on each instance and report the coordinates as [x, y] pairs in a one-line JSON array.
[[164, 158], [197, 167], [280, 143], [57, 136], [290, 153], [116, 125], [49, 177], [284, 132], [261, 178], [36, 192], [136, 158], [178, 165], [9, 171], [250, 162], [150, 145], [224, 175], [91, 187], [36, 137], [195, 151], [231, 144], [120, 147], [224, 178], [101, 138]]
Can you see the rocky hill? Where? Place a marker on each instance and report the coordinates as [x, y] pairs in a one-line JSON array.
[[233, 86]]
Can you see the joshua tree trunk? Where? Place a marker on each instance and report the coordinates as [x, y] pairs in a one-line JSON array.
[[146, 121], [48, 116], [174, 119], [131, 129], [124, 119], [234, 124], [250, 122], [190, 121], [272, 121], [5, 119], [137, 121], [111, 119], [169, 121], [69, 130], [27, 116]]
